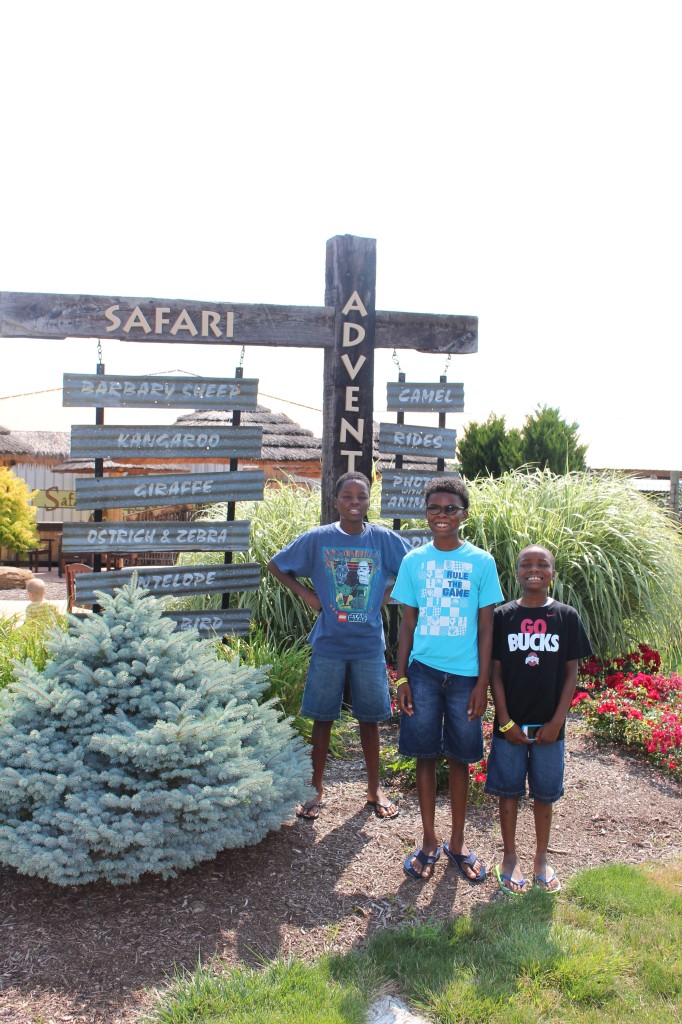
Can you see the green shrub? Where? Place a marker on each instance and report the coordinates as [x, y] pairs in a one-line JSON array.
[[137, 750], [17, 516]]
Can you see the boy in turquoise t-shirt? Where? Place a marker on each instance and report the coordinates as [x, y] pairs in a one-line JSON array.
[[448, 589]]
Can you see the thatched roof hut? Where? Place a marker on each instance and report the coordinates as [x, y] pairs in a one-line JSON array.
[[10, 445], [37, 446]]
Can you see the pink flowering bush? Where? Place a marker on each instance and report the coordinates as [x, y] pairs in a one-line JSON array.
[[628, 700]]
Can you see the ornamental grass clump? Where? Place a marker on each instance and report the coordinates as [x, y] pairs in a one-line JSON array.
[[20, 641], [138, 750], [618, 555]]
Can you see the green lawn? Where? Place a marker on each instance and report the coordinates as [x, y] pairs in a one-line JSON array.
[[608, 950]]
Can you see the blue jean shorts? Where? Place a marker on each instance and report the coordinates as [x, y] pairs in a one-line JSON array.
[[439, 724], [510, 763], [325, 683]]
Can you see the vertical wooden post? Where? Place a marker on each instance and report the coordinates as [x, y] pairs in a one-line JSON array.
[[231, 505], [98, 514], [440, 463], [348, 398]]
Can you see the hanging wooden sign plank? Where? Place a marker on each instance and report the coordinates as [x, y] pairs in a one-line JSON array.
[[170, 489], [164, 581], [99, 391], [409, 397], [427, 442], [178, 441], [228, 622], [117, 537], [402, 492]]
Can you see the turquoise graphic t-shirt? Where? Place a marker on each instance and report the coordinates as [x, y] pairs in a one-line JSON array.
[[448, 588]]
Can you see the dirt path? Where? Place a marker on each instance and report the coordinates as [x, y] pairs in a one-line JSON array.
[[87, 954]]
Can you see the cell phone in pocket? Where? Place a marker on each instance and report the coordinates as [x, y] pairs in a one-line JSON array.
[[531, 731]]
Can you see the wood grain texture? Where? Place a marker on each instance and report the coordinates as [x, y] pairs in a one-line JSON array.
[[46, 315], [348, 400], [427, 442], [170, 489], [424, 397], [154, 535], [223, 622], [159, 442], [89, 390], [163, 580]]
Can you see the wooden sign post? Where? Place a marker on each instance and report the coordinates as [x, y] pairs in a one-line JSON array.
[[348, 328]]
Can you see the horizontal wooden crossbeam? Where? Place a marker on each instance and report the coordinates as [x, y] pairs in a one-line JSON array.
[[44, 315]]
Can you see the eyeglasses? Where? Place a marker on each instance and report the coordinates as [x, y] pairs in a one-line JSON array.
[[449, 510]]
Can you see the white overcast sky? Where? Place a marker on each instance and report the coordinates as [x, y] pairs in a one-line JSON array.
[[519, 162]]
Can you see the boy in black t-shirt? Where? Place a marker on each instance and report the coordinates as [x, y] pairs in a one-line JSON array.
[[537, 643]]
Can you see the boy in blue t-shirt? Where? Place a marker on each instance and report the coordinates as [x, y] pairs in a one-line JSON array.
[[448, 589], [349, 563]]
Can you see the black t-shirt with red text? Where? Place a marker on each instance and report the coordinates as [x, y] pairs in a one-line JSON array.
[[533, 646]]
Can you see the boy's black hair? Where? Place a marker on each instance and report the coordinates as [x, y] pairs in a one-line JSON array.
[[450, 486], [542, 547], [353, 475]]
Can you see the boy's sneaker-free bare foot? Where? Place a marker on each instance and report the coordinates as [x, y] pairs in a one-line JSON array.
[[310, 810], [382, 805]]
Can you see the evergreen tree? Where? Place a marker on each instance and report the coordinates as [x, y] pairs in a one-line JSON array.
[[17, 517], [549, 442], [138, 750], [489, 449]]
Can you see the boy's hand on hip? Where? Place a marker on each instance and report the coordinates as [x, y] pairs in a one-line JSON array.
[[478, 701], [404, 694]]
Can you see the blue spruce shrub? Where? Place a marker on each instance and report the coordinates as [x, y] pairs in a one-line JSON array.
[[138, 750]]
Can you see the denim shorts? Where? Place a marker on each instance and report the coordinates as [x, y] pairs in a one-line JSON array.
[[510, 763], [325, 683], [439, 724]]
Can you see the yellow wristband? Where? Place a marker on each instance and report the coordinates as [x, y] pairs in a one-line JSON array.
[[403, 679], [507, 727]]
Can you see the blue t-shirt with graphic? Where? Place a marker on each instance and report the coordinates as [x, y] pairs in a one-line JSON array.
[[349, 573], [447, 588]]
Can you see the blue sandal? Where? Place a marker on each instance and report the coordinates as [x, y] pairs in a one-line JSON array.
[[425, 859], [459, 860]]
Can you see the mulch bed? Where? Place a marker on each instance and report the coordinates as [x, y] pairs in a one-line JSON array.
[[91, 954]]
